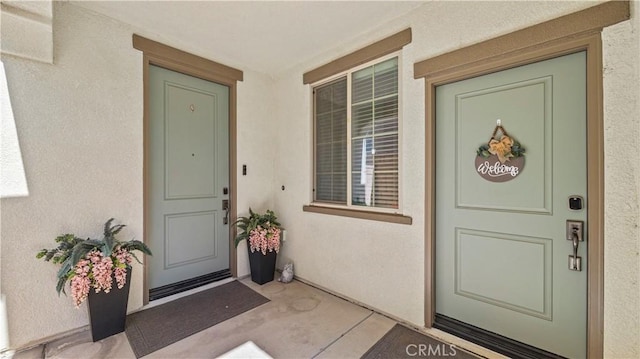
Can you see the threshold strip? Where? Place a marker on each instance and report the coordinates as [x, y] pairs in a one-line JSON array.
[[185, 285]]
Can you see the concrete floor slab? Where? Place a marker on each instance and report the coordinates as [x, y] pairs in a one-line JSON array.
[[300, 321], [359, 339], [80, 345]]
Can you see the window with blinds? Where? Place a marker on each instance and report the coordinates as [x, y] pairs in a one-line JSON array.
[[331, 142], [365, 131]]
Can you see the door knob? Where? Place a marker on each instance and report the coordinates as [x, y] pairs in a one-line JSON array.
[[225, 208], [575, 234]]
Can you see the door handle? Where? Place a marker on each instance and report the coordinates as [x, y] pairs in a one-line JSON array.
[[575, 234], [225, 208]]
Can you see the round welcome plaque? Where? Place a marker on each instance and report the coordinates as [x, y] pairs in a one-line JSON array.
[[492, 170]]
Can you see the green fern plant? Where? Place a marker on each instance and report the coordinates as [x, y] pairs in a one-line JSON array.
[[246, 224], [72, 249]]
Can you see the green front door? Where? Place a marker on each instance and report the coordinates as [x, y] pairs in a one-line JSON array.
[[188, 177], [501, 247]]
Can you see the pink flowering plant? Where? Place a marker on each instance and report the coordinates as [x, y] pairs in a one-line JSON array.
[[261, 230], [91, 263]]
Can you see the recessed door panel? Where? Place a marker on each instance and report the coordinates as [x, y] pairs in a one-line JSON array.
[[190, 143], [526, 107], [201, 227], [508, 262]]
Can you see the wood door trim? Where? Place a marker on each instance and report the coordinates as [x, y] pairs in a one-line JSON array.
[[155, 53], [503, 53], [588, 20], [185, 60]]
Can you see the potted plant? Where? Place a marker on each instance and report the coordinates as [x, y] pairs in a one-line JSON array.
[[262, 231], [91, 263]]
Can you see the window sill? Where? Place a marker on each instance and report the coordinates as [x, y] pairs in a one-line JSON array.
[[354, 213]]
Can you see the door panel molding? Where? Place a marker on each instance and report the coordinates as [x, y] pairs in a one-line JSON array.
[[580, 31], [466, 195], [540, 305], [170, 221], [158, 54], [203, 184]]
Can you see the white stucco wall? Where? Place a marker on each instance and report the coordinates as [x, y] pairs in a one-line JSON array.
[[79, 121], [621, 58], [31, 20], [80, 127], [382, 264], [256, 149]]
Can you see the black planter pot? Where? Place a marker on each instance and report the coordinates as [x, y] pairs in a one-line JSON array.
[[108, 311], [262, 266]]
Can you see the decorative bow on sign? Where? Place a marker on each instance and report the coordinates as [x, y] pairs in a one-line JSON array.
[[504, 147], [501, 148]]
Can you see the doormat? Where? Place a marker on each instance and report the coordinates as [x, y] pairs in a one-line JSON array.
[[402, 342], [157, 327]]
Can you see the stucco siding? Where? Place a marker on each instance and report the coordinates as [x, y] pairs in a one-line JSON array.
[[79, 122], [80, 129], [382, 264], [621, 60]]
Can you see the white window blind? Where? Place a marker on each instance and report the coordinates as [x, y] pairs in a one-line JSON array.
[[372, 115], [374, 135], [331, 142]]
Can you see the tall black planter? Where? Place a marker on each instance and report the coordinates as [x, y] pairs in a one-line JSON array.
[[108, 311], [262, 266]]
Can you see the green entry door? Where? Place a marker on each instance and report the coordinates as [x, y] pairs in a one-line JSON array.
[[188, 177], [501, 247]]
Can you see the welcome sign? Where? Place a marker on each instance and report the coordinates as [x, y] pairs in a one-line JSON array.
[[493, 170], [501, 159]]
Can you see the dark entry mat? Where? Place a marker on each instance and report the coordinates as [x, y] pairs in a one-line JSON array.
[[157, 327], [402, 342]]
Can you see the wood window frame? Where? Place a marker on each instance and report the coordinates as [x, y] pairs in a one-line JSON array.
[[158, 54], [346, 63], [579, 31], [366, 54]]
